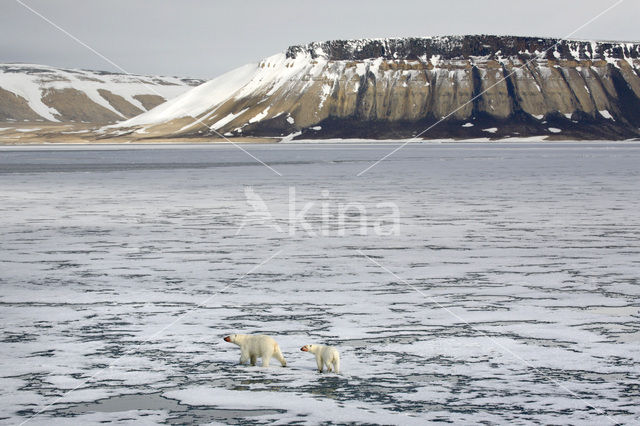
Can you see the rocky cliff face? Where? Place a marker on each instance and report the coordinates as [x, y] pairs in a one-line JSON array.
[[479, 86], [38, 93]]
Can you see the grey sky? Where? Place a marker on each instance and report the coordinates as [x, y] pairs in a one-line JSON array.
[[204, 38]]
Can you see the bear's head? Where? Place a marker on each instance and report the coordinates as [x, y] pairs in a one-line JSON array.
[[306, 348], [231, 338]]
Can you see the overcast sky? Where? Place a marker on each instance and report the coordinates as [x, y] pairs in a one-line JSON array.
[[204, 38]]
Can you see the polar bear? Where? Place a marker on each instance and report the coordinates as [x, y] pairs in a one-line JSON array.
[[325, 355], [256, 346]]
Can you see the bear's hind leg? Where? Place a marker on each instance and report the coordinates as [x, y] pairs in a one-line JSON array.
[[266, 358], [277, 354]]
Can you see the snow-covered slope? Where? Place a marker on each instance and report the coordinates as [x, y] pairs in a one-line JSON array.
[[380, 88], [200, 99], [42, 93]]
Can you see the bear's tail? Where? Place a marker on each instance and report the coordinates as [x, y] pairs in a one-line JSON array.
[[277, 354]]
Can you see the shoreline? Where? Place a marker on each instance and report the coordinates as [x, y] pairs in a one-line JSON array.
[[83, 134], [296, 144]]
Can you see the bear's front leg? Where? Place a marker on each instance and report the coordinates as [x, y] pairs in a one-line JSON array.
[[253, 360], [244, 357], [319, 362]]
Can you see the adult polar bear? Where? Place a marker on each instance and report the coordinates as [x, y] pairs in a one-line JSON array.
[[254, 346]]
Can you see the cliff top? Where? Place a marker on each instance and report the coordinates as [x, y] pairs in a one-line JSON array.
[[456, 47]]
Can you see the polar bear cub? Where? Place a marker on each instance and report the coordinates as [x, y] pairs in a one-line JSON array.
[[325, 355], [254, 346]]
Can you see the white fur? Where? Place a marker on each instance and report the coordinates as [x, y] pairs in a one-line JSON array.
[[325, 355], [257, 346]]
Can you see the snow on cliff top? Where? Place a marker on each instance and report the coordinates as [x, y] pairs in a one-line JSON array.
[[463, 46]]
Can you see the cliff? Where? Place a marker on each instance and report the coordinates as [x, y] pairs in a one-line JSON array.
[[482, 86]]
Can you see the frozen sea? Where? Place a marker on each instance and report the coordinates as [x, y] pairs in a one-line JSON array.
[[508, 292]]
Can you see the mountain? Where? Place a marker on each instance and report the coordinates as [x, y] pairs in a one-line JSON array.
[[38, 93], [483, 86]]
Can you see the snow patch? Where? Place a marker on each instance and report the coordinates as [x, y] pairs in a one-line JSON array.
[[606, 114], [76, 132], [326, 91], [260, 116], [227, 119], [289, 138]]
